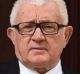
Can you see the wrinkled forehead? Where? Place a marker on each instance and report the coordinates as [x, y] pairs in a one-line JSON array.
[[29, 11]]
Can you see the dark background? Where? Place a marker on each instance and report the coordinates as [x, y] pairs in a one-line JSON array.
[[71, 54]]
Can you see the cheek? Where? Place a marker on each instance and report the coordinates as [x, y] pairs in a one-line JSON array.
[[56, 45], [21, 47], [21, 41]]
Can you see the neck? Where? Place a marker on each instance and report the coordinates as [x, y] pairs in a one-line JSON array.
[[46, 69]]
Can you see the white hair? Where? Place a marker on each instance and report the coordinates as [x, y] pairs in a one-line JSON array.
[[37, 2], [61, 4]]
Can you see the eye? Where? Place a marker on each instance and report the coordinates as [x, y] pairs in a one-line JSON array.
[[26, 27], [49, 28], [50, 25]]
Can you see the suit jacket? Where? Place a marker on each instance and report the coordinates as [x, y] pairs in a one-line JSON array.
[[12, 67]]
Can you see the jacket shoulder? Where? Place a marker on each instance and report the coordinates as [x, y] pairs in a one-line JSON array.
[[10, 67], [68, 71]]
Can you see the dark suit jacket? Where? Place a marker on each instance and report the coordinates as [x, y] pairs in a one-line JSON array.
[[12, 67]]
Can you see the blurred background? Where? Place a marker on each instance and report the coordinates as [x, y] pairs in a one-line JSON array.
[[71, 54]]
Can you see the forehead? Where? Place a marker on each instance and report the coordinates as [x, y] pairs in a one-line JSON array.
[[29, 12]]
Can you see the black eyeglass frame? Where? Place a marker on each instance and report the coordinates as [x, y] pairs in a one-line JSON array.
[[38, 25]]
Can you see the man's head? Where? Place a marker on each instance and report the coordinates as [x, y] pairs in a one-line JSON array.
[[39, 32]]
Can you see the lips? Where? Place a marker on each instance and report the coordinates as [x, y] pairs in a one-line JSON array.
[[37, 51], [38, 48]]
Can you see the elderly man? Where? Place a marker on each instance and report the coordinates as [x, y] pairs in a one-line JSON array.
[[39, 31]]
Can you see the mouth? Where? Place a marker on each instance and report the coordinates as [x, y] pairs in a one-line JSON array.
[[38, 50]]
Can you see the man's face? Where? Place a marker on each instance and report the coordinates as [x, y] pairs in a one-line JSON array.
[[39, 50]]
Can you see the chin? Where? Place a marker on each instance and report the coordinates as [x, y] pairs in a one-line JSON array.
[[39, 62]]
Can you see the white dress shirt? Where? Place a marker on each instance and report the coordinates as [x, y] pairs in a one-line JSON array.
[[56, 70]]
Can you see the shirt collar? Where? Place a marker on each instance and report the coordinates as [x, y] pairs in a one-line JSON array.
[[56, 70]]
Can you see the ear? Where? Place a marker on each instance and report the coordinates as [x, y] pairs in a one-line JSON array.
[[68, 33], [11, 34]]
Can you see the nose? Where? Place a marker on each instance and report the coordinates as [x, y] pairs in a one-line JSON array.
[[38, 36]]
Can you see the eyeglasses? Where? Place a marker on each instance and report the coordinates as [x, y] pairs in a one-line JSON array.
[[47, 28]]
